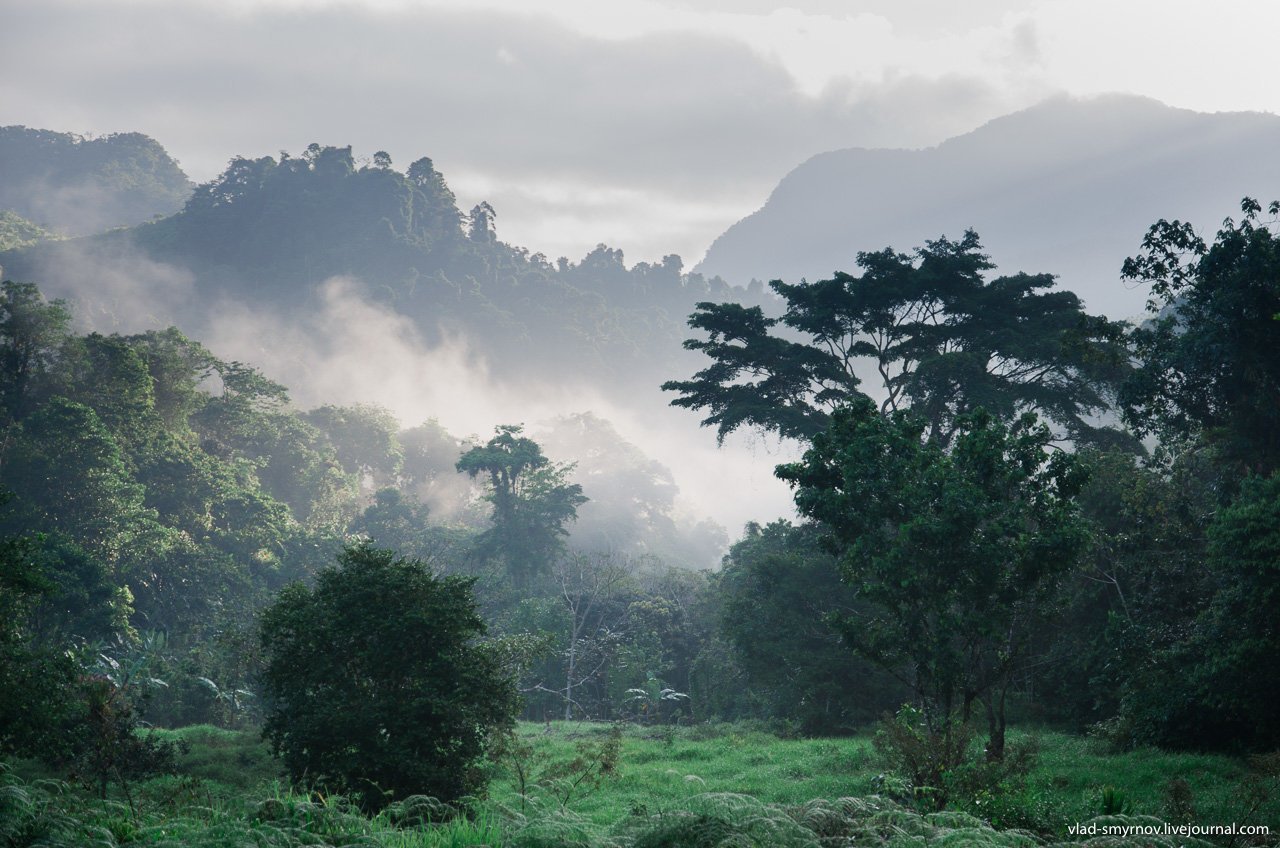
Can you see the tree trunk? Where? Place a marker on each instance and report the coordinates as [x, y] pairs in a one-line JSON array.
[[568, 681], [995, 727]]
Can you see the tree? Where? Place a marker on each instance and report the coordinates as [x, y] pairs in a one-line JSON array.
[[531, 502], [940, 339], [73, 477], [1199, 687], [1209, 362], [364, 438], [588, 586], [781, 596], [37, 678], [31, 332], [482, 227], [1239, 633], [1137, 589], [959, 552], [377, 685], [107, 374]]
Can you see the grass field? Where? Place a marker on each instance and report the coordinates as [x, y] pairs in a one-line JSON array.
[[661, 769], [756, 788]]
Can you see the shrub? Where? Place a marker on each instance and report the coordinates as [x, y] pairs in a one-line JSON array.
[[934, 765], [375, 682], [923, 755]]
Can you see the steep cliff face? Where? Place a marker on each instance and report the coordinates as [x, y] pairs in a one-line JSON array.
[[1067, 187]]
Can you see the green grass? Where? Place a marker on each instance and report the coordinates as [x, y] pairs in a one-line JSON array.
[[1074, 770], [660, 769], [230, 759], [671, 787]]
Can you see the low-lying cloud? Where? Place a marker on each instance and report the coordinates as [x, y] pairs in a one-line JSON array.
[[354, 351]]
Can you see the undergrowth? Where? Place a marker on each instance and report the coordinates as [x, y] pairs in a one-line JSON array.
[[39, 814], [698, 787]]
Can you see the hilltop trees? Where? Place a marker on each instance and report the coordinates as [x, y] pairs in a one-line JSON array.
[[79, 185]]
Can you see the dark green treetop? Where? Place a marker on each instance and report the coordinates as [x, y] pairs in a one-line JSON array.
[[1210, 357], [940, 339], [377, 684]]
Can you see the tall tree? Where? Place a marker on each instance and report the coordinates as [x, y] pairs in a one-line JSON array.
[[939, 337], [32, 331], [531, 500], [587, 584]]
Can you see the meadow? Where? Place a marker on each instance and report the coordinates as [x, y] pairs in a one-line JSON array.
[[706, 785]]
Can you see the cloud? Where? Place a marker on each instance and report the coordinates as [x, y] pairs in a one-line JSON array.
[[351, 350], [704, 117], [112, 286]]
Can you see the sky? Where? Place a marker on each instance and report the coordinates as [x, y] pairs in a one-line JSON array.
[[649, 125]]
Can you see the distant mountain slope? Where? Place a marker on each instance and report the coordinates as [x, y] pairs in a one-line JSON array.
[[1067, 187], [17, 232], [77, 185], [269, 235]]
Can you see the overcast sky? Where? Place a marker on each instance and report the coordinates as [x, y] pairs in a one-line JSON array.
[[649, 125]]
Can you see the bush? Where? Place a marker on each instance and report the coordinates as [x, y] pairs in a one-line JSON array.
[[922, 755], [933, 766], [375, 684]]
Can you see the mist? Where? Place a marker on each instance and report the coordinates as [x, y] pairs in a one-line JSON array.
[[355, 351]]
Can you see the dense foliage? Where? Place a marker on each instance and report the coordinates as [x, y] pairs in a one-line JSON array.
[[957, 552], [940, 339], [1102, 586], [1209, 365], [980, 535], [782, 600], [78, 185], [376, 684]]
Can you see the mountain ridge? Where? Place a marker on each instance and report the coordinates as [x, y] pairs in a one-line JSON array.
[[1068, 187]]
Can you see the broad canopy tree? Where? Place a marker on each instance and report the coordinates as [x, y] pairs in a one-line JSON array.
[[949, 514], [940, 338]]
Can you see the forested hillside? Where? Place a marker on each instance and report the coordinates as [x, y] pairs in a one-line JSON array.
[[269, 232], [75, 185]]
